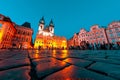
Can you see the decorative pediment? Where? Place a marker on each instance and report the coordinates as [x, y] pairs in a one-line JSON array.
[[82, 31], [114, 24], [95, 27]]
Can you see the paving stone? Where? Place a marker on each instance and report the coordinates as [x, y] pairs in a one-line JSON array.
[[47, 66], [86, 53], [21, 73], [114, 57], [76, 73], [42, 60], [78, 62], [12, 63], [110, 69], [16, 54], [20, 56], [112, 61]]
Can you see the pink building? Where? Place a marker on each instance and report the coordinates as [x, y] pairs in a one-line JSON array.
[[95, 35], [113, 32]]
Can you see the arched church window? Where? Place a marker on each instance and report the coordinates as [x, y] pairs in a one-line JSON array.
[[41, 27], [51, 29]]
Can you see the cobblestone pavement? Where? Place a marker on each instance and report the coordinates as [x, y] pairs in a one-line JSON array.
[[59, 65]]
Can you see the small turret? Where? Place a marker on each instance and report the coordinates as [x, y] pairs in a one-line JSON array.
[[51, 23], [41, 24], [42, 21], [51, 27]]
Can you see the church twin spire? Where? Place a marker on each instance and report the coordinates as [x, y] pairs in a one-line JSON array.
[[42, 21]]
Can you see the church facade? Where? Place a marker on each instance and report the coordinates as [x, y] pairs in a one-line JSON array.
[[45, 38]]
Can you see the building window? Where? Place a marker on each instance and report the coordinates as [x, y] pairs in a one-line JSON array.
[[116, 29], [98, 36], [111, 35], [23, 33], [102, 36], [110, 30], [118, 34], [18, 32], [113, 40], [27, 40]]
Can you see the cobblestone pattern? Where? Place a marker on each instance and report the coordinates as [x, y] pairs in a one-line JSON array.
[[59, 65]]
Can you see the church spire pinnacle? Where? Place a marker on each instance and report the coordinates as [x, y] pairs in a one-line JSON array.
[[42, 21], [51, 23]]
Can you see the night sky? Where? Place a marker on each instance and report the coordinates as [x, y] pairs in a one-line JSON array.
[[69, 16]]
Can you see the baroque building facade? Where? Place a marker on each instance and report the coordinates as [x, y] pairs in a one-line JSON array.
[[96, 35], [45, 38], [7, 32], [13, 35], [113, 32], [23, 36]]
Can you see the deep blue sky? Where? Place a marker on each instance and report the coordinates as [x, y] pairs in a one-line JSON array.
[[68, 15]]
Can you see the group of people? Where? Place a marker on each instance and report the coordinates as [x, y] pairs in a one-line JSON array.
[[87, 46]]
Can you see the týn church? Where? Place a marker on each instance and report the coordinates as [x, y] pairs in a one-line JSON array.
[[45, 38]]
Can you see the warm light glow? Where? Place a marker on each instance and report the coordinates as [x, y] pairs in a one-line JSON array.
[[1, 35], [36, 55], [54, 51], [64, 53], [37, 51], [1, 32], [63, 41]]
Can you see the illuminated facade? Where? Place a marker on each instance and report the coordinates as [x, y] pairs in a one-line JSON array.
[[23, 36], [113, 32], [14, 36], [7, 32], [73, 41], [45, 38], [70, 42], [96, 35]]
